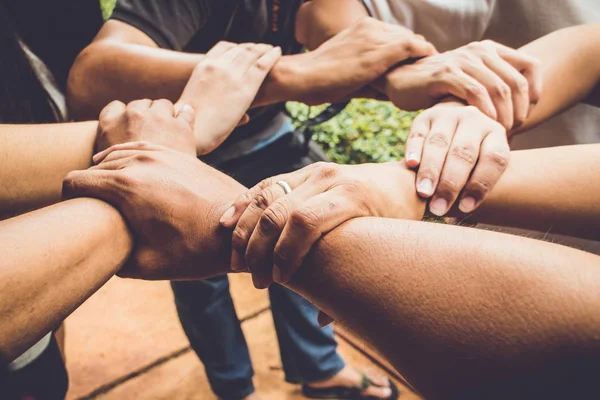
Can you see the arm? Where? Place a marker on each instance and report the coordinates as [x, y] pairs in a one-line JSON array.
[[550, 190], [570, 70], [459, 312], [35, 160], [481, 313], [333, 72], [52, 260]]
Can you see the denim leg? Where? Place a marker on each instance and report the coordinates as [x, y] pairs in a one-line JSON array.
[[308, 352], [211, 324]]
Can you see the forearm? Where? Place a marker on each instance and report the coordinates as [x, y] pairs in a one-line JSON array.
[[458, 310], [110, 70], [549, 190], [570, 70], [319, 20], [53, 259], [36, 158]]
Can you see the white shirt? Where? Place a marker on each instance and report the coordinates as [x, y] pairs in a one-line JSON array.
[[449, 24]]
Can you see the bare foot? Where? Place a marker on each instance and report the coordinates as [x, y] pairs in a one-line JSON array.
[[349, 377]]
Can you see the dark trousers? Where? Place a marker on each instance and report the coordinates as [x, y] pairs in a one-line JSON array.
[[207, 314], [45, 378]]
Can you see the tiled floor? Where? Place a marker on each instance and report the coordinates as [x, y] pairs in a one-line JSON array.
[[126, 343]]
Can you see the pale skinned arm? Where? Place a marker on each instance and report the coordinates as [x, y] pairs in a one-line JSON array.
[[53, 259], [570, 70], [553, 189], [36, 158]]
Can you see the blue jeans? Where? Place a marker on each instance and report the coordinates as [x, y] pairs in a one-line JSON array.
[[206, 311]]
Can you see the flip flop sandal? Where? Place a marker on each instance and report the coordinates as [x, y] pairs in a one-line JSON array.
[[348, 393]]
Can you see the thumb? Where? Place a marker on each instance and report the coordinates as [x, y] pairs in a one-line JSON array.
[[99, 184], [186, 113]]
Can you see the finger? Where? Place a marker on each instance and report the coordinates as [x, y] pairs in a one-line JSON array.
[[247, 223], [235, 56], [460, 161], [91, 183], [400, 47], [245, 119], [307, 224], [163, 106], [466, 88], [140, 105], [141, 145], [528, 66], [497, 89], [231, 217], [259, 252], [119, 161], [112, 110], [219, 49], [252, 219], [416, 139], [259, 69], [435, 149], [493, 160], [518, 84], [186, 113]]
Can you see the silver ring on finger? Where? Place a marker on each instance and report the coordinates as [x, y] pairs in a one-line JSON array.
[[285, 186]]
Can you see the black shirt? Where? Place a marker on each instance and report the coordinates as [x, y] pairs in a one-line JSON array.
[[56, 30], [197, 25]]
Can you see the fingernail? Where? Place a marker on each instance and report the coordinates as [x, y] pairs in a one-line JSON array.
[[227, 215], [439, 207], [260, 282], [467, 204], [386, 392], [96, 157], [412, 157], [276, 273], [425, 187]]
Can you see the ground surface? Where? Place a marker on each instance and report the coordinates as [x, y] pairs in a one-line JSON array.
[[126, 343]]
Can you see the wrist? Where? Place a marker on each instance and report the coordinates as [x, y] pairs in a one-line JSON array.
[[282, 83]]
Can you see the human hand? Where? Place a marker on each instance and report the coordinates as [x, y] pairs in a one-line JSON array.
[[223, 86], [157, 121], [501, 82], [171, 201], [274, 231], [456, 149], [351, 60]]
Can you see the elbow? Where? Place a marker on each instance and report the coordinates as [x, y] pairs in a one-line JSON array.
[[85, 76]]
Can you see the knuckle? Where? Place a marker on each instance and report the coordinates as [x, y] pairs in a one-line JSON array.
[[282, 256], [265, 183], [465, 152], [521, 84], [448, 185], [239, 237], [271, 220], [263, 199], [501, 90], [475, 90], [428, 173], [499, 159], [482, 186], [305, 219], [438, 139], [418, 134]]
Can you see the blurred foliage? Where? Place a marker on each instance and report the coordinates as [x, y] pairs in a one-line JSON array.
[[366, 131], [107, 7]]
